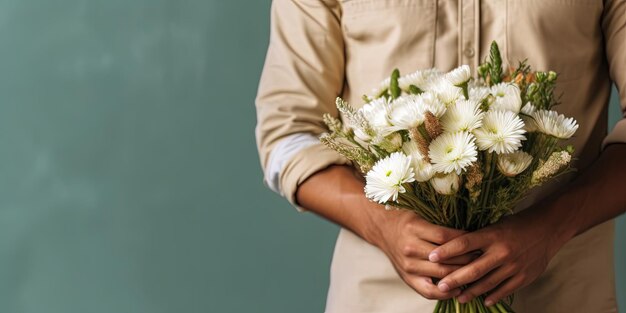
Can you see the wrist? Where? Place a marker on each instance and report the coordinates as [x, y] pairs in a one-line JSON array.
[[558, 220], [371, 218]]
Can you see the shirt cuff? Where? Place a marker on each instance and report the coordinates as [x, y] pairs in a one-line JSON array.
[[303, 165], [617, 135]]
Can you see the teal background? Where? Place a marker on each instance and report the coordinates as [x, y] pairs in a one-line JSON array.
[[129, 175]]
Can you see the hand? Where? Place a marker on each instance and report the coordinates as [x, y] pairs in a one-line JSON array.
[[407, 240], [515, 252]]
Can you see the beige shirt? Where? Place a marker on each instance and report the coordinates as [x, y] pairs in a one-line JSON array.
[[321, 49]]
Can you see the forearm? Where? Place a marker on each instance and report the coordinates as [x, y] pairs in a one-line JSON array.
[[336, 194], [596, 196]]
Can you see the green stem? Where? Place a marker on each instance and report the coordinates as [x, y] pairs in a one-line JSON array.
[[437, 307], [501, 308]]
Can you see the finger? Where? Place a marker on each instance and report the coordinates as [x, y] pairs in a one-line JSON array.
[[463, 259], [457, 247], [469, 273], [507, 288], [487, 283], [425, 287], [435, 233], [429, 269], [418, 249]]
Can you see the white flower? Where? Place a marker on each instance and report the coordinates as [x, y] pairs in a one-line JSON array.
[[446, 92], [511, 164], [528, 109], [478, 94], [407, 112], [423, 169], [376, 114], [506, 97], [502, 132], [526, 114], [384, 181], [452, 152], [390, 143], [459, 76], [431, 102], [421, 79], [382, 86], [554, 124], [464, 115], [447, 184]]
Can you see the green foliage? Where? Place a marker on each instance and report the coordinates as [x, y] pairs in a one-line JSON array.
[[495, 64], [394, 88]]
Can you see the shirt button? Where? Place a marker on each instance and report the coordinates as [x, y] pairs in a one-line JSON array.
[[469, 52]]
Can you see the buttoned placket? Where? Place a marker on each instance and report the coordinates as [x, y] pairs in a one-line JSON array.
[[469, 33]]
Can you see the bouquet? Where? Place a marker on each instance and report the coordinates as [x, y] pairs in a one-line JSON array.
[[459, 151]]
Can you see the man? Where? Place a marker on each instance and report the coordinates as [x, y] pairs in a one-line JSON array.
[[556, 254]]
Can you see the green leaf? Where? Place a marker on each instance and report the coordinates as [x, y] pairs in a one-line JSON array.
[[394, 88], [415, 90], [495, 60]]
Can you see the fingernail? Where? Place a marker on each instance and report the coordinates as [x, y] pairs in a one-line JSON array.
[[433, 257], [488, 302], [443, 287], [462, 299]]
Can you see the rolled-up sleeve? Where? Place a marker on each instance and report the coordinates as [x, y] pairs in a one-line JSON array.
[[302, 76], [614, 27]]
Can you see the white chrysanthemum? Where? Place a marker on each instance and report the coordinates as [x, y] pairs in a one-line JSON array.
[[511, 164], [452, 152], [390, 143], [554, 124], [464, 115], [446, 184], [376, 114], [421, 79], [382, 86], [478, 94], [528, 109], [446, 92], [506, 97], [423, 170], [416, 79], [407, 112], [526, 115], [431, 102], [502, 132], [459, 76], [384, 181]]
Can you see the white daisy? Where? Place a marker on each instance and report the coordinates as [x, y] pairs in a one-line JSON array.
[[511, 164], [446, 92], [382, 86], [390, 143], [554, 124], [459, 76], [445, 184], [506, 97], [502, 132], [452, 152], [464, 115], [407, 112], [423, 169], [431, 102], [526, 114], [384, 181], [421, 79], [376, 114], [478, 94]]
